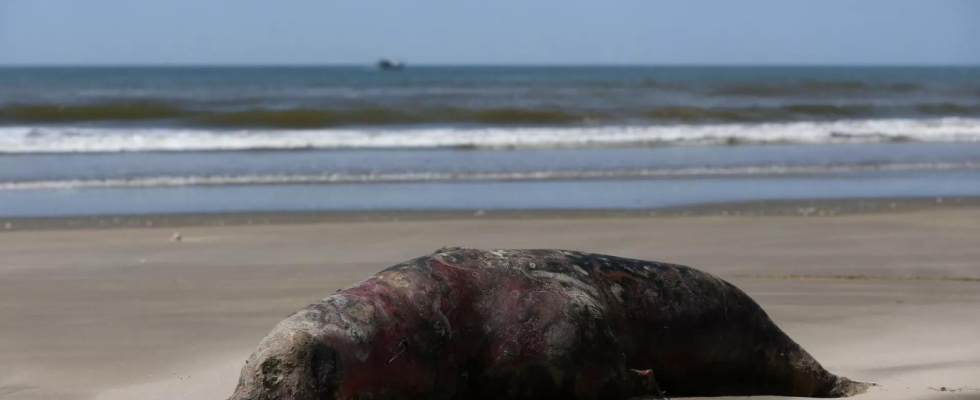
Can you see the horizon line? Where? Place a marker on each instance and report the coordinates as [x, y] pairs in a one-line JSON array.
[[502, 65]]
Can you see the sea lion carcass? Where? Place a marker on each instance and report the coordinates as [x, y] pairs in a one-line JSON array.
[[532, 324]]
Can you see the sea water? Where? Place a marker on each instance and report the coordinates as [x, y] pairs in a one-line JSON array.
[[140, 140]]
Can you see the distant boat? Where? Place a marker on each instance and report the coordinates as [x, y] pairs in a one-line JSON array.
[[385, 64]]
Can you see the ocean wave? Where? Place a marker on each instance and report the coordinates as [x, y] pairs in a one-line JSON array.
[[51, 139], [283, 118], [88, 112], [810, 88], [313, 118], [415, 177], [748, 114], [949, 109]]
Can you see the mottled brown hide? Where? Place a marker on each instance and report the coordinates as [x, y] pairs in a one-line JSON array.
[[532, 324]]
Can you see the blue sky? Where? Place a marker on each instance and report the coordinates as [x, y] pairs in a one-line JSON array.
[[866, 32]]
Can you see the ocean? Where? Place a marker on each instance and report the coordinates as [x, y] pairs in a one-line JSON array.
[[84, 141]]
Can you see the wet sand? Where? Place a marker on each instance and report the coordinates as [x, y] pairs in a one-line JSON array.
[[890, 296], [792, 208]]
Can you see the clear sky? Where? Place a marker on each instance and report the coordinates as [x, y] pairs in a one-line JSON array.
[[877, 32]]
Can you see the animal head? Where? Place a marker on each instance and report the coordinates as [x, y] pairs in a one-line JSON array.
[[290, 364]]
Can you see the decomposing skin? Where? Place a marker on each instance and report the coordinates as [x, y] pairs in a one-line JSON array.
[[533, 324]]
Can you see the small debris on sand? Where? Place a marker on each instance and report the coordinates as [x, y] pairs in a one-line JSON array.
[[176, 237], [955, 390], [479, 213], [808, 211]]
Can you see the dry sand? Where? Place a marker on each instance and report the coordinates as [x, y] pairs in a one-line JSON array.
[[129, 314]]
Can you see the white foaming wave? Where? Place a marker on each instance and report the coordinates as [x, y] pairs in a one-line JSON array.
[[408, 177], [22, 139]]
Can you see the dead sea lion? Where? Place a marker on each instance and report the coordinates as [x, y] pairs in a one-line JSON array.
[[532, 324]]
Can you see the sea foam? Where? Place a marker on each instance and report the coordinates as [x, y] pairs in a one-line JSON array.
[[60, 139], [415, 177]]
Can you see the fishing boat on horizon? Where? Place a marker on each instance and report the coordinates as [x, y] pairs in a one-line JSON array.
[[385, 64]]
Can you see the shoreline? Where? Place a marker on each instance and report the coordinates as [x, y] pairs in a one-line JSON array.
[[762, 208]]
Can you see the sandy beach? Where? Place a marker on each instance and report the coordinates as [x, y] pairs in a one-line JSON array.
[[891, 296]]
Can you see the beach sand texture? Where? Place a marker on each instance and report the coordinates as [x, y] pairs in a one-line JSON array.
[[892, 298]]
